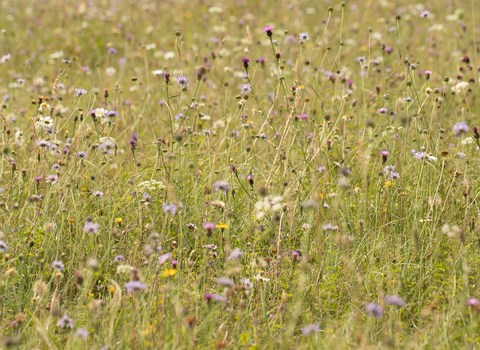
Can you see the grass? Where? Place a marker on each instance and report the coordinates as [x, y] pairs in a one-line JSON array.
[[274, 202]]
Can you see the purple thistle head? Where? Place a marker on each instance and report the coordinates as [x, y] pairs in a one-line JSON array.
[[395, 300], [268, 30], [384, 155], [221, 186], [112, 50], [303, 116], [119, 258], [134, 286], [169, 208], [473, 302], [374, 310], [80, 92], [167, 77], [245, 62], [382, 111]]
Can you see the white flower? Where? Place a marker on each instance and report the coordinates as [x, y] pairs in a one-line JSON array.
[[150, 46], [169, 55], [44, 107], [157, 72], [58, 54], [110, 71], [460, 87], [19, 138], [44, 123]]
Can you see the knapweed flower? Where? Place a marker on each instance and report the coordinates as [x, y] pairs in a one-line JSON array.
[[58, 265], [221, 186], [374, 310], [473, 302], [311, 328], [303, 37], [268, 30], [91, 227], [52, 179], [3, 247], [133, 286], [65, 322], [460, 128], [81, 155], [182, 81], [395, 300], [245, 62], [245, 88], [209, 227], [382, 111], [169, 208], [80, 92], [303, 116], [384, 155]]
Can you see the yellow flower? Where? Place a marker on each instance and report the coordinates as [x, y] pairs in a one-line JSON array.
[[112, 289], [388, 183], [170, 272], [70, 221], [222, 226], [118, 220]]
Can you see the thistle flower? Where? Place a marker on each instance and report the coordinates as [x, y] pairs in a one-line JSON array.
[[395, 300], [384, 155], [303, 116], [382, 111], [473, 302], [245, 62], [162, 259], [374, 310], [119, 258], [268, 30], [236, 254]]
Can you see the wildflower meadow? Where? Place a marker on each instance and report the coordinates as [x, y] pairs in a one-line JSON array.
[[245, 174]]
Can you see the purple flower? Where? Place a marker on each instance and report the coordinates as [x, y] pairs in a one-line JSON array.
[[55, 167], [147, 197], [460, 128], [220, 298], [162, 259], [329, 227], [395, 300], [119, 258], [52, 179], [80, 92], [221, 186], [207, 132], [191, 226], [81, 155], [267, 29], [303, 116], [97, 194], [133, 286], [91, 227], [235, 134], [209, 226], [382, 111], [321, 169], [182, 81], [311, 328], [473, 302], [303, 37], [424, 13], [169, 208], [58, 265], [360, 59], [374, 310], [82, 334], [225, 281], [208, 296], [245, 88], [236, 254], [112, 50], [179, 116], [65, 322], [111, 113], [3, 247]]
